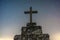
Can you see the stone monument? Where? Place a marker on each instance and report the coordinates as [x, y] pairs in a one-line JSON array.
[[31, 31]]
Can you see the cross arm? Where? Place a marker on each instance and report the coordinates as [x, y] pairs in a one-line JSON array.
[[26, 12], [34, 11]]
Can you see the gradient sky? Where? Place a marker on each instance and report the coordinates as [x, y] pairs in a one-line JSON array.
[[12, 17]]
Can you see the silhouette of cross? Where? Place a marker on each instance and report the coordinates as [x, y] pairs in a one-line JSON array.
[[30, 12]]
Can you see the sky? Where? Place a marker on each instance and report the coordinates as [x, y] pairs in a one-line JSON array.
[[12, 17]]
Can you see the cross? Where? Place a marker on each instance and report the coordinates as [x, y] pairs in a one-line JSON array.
[[30, 12]]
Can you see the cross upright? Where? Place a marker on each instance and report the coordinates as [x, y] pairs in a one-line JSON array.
[[30, 12]]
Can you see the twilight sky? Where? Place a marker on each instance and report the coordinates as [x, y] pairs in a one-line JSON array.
[[12, 17]]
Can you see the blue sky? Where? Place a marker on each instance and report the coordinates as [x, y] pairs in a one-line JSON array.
[[12, 16]]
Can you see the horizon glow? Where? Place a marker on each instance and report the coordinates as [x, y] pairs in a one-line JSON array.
[[12, 17]]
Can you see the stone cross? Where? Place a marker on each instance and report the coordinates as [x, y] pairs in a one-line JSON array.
[[30, 12]]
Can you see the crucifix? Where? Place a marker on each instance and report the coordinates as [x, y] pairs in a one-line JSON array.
[[30, 12]]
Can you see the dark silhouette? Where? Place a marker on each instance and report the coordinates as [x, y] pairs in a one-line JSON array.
[[31, 31], [17, 37], [30, 12]]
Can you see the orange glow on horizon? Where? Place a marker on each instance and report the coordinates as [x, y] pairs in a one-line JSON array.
[[6, 38], [55, 36]]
